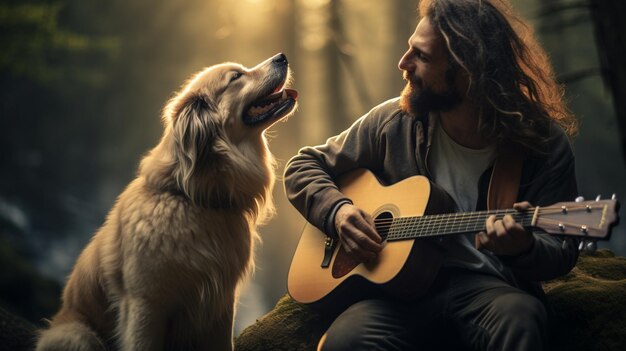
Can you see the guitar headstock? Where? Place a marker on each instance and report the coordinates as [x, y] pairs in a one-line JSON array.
[[587, 219]]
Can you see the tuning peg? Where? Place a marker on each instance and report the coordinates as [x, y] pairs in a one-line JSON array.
[[598, 198], [580, 199], [591, 246], [613, 197]]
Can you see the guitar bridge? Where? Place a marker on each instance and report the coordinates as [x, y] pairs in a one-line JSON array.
[[329, 246]]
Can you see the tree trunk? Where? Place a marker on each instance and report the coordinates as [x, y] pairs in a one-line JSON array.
[[610, 31]]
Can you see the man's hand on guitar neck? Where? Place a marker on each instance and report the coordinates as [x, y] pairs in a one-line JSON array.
[[357, 233], [506, 237]]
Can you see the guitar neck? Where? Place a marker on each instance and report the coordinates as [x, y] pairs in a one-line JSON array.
[[404, 228]]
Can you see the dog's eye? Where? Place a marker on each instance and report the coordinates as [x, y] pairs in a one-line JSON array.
[[235, 76]]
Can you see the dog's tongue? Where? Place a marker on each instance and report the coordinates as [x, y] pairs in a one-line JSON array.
[[291, 93], [283, 94]]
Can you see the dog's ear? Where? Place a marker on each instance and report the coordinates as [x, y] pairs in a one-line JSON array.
[[196, 129]]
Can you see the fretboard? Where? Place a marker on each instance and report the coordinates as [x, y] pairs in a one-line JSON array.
[[404, 228]]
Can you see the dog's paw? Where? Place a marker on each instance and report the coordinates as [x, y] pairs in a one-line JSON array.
[[73, 336]]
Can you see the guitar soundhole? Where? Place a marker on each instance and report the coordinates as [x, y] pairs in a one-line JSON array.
[[344, 263], [383, 223]]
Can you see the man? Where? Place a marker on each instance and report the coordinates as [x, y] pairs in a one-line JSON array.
[[477, 88]]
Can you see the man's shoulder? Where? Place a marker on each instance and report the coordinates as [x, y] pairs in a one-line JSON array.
[[389, 107], [551, 139], [558, 140], [556, 148], [386, 112]]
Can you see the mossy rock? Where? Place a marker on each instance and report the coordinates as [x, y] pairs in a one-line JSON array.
[[587, 312], [588, 305], [289, 326]]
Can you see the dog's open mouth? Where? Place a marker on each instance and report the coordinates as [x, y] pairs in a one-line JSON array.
[[276, 105]]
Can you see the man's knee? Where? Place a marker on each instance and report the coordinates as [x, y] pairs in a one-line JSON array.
[[340, 336], [522, 309], [520, 322], [367, 325]]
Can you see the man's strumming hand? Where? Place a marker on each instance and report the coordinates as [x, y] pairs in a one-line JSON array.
[[357, 233]]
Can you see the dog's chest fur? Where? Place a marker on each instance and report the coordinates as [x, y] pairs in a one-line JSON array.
[[184, 256]]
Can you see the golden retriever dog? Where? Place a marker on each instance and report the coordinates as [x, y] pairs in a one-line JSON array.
[[162, 272]]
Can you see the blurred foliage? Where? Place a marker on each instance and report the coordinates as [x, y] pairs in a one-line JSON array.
[[42, 168], [46, 66], [61, 70], [37, 47]]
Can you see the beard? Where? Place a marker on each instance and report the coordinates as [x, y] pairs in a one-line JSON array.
[[419, 100]]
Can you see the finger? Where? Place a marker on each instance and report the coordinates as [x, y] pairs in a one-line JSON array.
[[345, 226], [510, 225], [508, 222], [348, 244], [371, 227], [361, 239], [369, 230], [478, 242], [499, 228], [368, 218], [353, 249], [366, 243], [483, 240], [489, 224], [521, 206]]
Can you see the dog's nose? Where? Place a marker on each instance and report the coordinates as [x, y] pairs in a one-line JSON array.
[[280, 59]]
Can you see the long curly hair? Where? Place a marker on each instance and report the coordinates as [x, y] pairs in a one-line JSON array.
[[511, 80]]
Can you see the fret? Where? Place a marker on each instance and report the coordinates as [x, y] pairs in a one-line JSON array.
[[417, 223]]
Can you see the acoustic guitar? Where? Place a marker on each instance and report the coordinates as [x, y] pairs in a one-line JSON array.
[[405, 215]]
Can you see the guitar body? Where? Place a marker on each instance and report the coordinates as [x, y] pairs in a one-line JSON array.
[[405, 268]]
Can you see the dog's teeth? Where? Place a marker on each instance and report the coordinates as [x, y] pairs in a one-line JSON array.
[[257, 110]]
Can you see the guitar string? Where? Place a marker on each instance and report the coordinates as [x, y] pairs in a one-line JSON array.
[[456, 224], [394, 234], [432, 225], [463, 215], [474, 223], [413, 234], [470, 226], [479, 214], [532, 210]]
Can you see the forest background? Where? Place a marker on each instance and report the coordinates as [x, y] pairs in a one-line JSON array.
[[83, 82]]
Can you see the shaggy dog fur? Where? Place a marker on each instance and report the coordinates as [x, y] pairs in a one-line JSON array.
[[163, 270]]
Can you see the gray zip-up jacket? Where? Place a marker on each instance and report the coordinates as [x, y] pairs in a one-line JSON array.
[[394, 145]]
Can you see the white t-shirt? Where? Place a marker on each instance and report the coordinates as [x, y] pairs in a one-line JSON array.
[[457, 169]]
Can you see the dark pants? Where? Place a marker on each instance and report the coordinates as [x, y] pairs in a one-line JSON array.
[[464, 310]]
